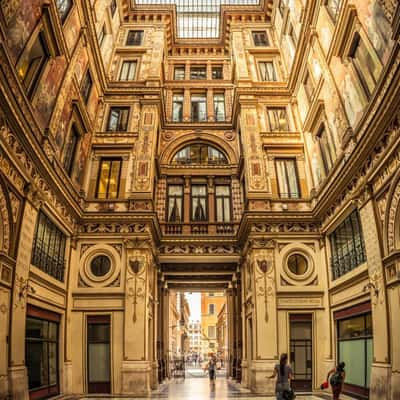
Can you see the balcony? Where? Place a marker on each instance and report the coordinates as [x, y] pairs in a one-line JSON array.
[[199, 228]]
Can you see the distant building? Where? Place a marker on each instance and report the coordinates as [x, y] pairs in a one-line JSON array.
[[194, 337], [222, 333]]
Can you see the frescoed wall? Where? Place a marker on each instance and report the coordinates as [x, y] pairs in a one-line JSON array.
[[72, 29]]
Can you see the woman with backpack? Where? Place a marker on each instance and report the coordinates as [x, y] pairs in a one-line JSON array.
[[337, 376], [283, 372]]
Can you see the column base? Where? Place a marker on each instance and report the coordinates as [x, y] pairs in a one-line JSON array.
[[3, 386], [154, 376], [381, 382], [18, 381], [67, 378], [395, 386], [258, 377], [136, 377]]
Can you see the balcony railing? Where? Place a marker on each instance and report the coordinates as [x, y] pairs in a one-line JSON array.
[[199, 228]]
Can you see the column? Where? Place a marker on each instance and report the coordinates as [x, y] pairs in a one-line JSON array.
[[210, 105], [186, 106]]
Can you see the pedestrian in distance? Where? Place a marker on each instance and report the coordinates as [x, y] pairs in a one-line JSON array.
[[337, 376], [283, 374]]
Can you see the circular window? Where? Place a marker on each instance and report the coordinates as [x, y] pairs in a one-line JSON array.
[[297, 264], [100, 265]]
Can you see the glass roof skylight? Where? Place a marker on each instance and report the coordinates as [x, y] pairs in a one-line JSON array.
[[198, 19]]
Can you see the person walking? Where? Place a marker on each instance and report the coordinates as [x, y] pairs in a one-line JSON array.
[[337, 376], [211, 366], [283, 373]]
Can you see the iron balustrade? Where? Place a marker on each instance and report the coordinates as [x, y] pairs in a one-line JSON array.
[[199, 228]]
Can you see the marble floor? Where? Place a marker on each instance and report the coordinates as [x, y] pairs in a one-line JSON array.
[[198, 387]]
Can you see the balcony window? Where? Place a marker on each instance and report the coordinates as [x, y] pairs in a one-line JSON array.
[[199, 108], [219, 107], [327, 149], [199, 154], [70, 150], [49, 248], [216, 72], [175, 203], [223, 203], [63, 8], [199, 72], [108, 178], [128, 71], [86, 87], [179, 73], [287, 177], [260, 38], [118, 119], [267, 71], [177, 108], [347, 246], [134, 38], [333, 7], [199, 203], [278, 119], [367, 70]]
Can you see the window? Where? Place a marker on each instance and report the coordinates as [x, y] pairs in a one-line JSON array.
[[31, 68], [177, 108], [333, 7], [211, 309], [63, 8], [219, 107], [101, 36], [108, 179], [128, 71], [297, 264], [118, 119], [49, 248], [199, 203], [200, 154], [309, 86], [216, 72], [42, 356], [70, 150], [100, 266], [223, 203], [277, 118], [327, 149], [134, 38], [211, 332], [113, 7], [267, 71], [179, 72], [288, 184], [367, 70], [175, 203], [86, 86], [260, 38], [347, 246], [199, 108], [198, 72]]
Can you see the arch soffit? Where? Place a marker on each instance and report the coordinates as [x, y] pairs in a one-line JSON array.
[[392, 213], [213, 140]]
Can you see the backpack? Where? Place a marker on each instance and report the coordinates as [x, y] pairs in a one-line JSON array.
[[336, 379]]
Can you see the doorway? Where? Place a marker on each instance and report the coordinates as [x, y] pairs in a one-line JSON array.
[[301, 351], [98, 354]]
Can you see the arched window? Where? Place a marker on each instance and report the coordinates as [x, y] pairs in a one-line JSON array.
[[199, 154]]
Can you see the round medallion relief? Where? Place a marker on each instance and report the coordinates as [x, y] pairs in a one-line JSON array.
[[100, 265]]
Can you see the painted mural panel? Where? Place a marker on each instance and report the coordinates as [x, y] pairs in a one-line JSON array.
[[81, 64], [46, 95], [21, 18], [72, 29]]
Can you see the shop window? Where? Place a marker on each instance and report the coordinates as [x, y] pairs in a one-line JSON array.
[[333, 7], [49, 248], [278, 119], [86, 86], [347, 246], [260, 38], [216, 72], [199, 154], [368, 71], [177, 108], [109, 178], [198, 108], [70, 150], [223, 203], [198, 72], [63, 8], [175, 203], [113, 7], [128, 70], [118, 119], [134, 38], [219, 107], [327, 149], [267, 71], [179, 72], [288, 184], [199, 202], [100, 266], [32, 66]]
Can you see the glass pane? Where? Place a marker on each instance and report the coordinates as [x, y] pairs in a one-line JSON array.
[[282, 182], [353, 327], [103, 180], [369, 361], [36, 328], [352, 352], [199, 190], [222, 190], [37, 364], [53, 331], [220, 210], [98, 333], [114, 179], [99, 362], [292, 179], [113, 120], [53, 363]]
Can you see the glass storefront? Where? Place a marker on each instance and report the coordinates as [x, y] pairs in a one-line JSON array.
[[42, 357]]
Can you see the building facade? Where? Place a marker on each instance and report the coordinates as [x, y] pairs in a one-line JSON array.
[[143, 151], [195, 339]]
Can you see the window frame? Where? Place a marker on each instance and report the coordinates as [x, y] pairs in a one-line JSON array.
[[86, 89], [257, 41], [111, 159], [66, 13], [203, 96], [179, 67], [224, 198], [262, 78], [73, 131], [174, 101], [192, 206], [221, 96], [333, 14], [280, 193], [271, 108], [130, 61], [219, 75], [182, 197], [135, 42], [120, 108], [199, 67], [326, 148]]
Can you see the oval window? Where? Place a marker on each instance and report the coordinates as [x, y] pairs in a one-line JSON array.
[[297, 264], [100, 265]]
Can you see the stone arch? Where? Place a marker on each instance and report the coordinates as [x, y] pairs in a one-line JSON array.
[[175, 145], [392, 214], [5, 219]]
